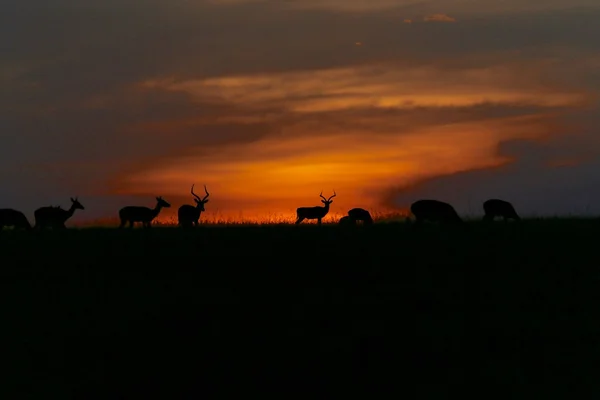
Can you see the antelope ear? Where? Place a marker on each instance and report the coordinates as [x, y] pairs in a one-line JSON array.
[[158, 198], [72, 199], [206, 201]]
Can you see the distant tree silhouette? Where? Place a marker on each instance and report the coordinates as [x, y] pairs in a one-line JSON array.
[[317, 212], [434, 211], [55, 217], [499, 208], [14, 218], [145, 215], [189, 215]]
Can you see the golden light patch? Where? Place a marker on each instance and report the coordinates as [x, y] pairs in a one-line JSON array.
[[274, 176]]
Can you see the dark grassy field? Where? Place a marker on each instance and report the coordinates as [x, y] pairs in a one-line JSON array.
[[307, 309]]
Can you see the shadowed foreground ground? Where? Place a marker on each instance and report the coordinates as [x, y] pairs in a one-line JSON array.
[[321, 310]]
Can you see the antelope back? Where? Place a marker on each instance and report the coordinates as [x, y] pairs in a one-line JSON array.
[[434, 209], [496, 206], [360, 214]]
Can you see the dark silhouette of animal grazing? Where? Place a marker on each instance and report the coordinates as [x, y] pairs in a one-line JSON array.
[[14, 218], [360, 214], [347, 221], [434, 211], [55, 217], [189, 215], [145, 215], [315, 212], [499, 208]]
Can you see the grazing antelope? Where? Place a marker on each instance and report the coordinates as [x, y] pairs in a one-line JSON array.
[[14, 218], [189, 215], [145, 215], [347, 221], [55, 217], [317, 212], [360, 214], [499, 208], [435, 211]]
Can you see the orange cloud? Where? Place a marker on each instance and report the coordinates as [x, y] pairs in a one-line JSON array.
[[275, 175], [377, 86], [328, 134], [439, 18]]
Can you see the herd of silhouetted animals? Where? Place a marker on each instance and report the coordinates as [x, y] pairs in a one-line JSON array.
[[189, 215]]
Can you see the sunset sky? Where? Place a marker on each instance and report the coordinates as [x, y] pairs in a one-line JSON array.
[[270, 102]]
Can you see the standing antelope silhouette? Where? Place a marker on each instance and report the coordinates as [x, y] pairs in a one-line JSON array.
[[145, 215], [55, 217], [189, 215], [317, 212], [14, 218]]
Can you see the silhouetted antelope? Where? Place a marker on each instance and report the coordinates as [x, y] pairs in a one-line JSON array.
[[189, 215], [14, 218], [499, 208], [347, 221], [435, 211], [360, 214], [55, 217], [315, 212], [145, 215]]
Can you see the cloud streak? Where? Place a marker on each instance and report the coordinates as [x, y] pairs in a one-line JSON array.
[[439, 18]]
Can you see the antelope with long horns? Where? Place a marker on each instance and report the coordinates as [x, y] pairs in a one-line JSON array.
[[55, 217], [189, 215], [145, 215], [318, 212], [14, 218]]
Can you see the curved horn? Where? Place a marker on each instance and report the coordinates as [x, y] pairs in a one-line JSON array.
[[194, 194], [207, 194], [334, 194], [321, 194]]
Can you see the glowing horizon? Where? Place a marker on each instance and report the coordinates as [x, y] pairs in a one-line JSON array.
[[280, 171]]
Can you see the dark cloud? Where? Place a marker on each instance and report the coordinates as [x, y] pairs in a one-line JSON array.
[[102, 45], [560, 176], [80, 148]]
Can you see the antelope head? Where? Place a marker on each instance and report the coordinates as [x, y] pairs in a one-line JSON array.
[[328, 201], [162, 203], [200, 202], [76, 205]]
